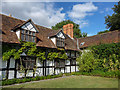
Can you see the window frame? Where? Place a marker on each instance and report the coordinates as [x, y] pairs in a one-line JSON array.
[[59, 63], [27, 62], [73, 62], [60, 42], [28, 35]]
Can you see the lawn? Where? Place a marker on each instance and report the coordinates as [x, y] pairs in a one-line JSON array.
[[72, 82]]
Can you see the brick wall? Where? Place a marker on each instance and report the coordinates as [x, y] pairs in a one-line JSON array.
[[68, 29]]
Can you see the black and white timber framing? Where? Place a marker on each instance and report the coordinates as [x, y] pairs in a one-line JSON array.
[[9, 69]]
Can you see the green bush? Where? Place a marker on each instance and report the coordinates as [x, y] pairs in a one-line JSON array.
[[104, 57], [87, 61], [106, 50], [37, 78], [48, 77], [28, 79]]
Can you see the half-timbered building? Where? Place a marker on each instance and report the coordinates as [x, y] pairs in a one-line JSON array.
[[15, 30]]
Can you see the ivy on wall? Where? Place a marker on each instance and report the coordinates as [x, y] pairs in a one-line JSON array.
[[59, 54], [106, 50], [30, 49]]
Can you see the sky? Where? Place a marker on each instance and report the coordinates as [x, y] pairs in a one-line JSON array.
[[89, 15]]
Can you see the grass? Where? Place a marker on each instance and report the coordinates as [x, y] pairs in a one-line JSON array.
[[72, 82]]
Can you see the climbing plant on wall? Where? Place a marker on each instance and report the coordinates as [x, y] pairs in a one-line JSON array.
[[27, 47], [30, 49], [59, 54]]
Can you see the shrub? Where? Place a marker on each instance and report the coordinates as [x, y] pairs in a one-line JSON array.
[[37, 77], [48, 77], [27, 79], [87, 61], [105, 50]]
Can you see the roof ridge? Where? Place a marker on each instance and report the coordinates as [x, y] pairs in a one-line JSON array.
[[24, 20], [12, 17], [99, 34]]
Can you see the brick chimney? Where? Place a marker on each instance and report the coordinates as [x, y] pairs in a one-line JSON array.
[[68, 29]]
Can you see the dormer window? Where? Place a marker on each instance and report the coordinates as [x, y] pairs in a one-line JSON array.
[[28, 32], [58, 38], [27, 35], [60, 42]]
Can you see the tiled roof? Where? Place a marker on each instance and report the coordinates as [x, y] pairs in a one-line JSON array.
[[105, 38], [53, 33], [10, 23]]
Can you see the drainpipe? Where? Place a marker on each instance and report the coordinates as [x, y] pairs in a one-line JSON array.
[[77, 44]]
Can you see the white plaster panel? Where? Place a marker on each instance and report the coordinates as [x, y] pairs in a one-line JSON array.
[[29, 26], [77, 68], [62, 70], [18, 33], [29, 73], [20, 74], [67, 62], [39, 63], [53, 40], [11, 74], [49, 71], [39, 72], [49, 63], [57, 71], [67, 69], [2, 75], [72, 68], [60, 34], [12, 63], [3, 64]]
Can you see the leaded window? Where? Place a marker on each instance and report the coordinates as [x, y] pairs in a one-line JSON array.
[[27, 35], [28, 32], [27, 62], [59, 63], [73, 62], [60, 42]]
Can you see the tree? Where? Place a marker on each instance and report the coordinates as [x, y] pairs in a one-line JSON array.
[[76, 30], [84, 34], [113, 22], [103, 32]]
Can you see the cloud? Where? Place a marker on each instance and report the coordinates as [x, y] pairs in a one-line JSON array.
[[80, 11], [81, 22], [41, 13], [45, 14], [107, 9], [91, 34], [101, 12]]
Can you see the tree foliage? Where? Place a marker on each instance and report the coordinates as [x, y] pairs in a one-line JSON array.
[[87, 61], [100, 58], [113, 22], [76, 31], [103, 32], [106, 50]]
